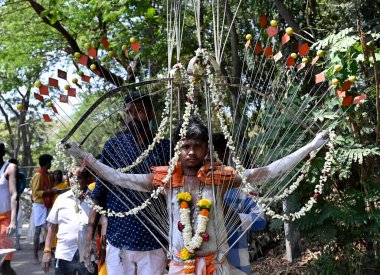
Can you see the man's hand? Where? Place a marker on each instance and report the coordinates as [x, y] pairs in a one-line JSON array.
[[90, 251], [320, 140], [11, 229], [46, 259]]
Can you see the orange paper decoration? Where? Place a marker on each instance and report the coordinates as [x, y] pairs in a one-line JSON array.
[[272, 31], [62, 74], [300, 67], [39, 97], [247, 43], [320, 77], [347, 101], [86, 78], [315, 59], [340, 94], [258, 48], [53, 82], [44, 90], [285, 38], [105, 42], [135, 46], [263, 21], [63, 98], [46, 117], [290, 61], [83, 59], [303, 49], [357, 99], [72, 92], [92, 52], [346, 86], [268, 51]]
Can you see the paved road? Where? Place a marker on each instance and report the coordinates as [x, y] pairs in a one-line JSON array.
[[23, 259]]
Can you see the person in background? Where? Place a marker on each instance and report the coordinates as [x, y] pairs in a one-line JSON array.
[[69, 216], [21, 184], [59, 183], [8, 208], [42, 195], [131, 247]]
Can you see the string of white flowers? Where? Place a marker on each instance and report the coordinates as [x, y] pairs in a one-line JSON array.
[[68, 161], [288, 191], [157, 139], [217, 102], [317, 190], [182, 134], [79, 193]]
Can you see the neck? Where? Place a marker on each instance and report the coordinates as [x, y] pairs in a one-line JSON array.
[[44, 169], [190, 171]]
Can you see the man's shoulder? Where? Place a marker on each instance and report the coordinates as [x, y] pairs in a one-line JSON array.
[[36, 176], [119, 138], [64, 196]]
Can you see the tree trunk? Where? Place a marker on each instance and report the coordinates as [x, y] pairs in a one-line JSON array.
[[236, 64], [286, 15], [292, 236]]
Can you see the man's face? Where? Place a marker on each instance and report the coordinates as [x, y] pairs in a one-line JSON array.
[[83, 182], [48, 165], [57, 177], [192, 153], [136, 112]]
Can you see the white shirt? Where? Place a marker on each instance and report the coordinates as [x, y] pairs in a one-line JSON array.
[[71, 215]]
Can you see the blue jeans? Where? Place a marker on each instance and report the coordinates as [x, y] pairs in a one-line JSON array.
[[73, 267]]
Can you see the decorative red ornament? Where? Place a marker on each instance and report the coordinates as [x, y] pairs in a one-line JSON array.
[[316, 195], [180, 226], [205, 237]]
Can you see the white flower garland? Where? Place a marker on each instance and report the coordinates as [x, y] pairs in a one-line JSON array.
[[288, 191], [78, 193], [216, 100], [317, 191]]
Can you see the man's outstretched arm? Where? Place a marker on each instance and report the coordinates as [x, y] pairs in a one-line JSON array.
[[137, 182], [283, 165]]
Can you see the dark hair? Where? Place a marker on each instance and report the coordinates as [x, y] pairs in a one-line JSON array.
[[45, 159], [135, 97], [196, 130], [219, 141], [59, 172], [86, 173], [13, 160]]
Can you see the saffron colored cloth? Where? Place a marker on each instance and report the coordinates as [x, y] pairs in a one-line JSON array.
[[203, 266], [222, 174], [6, 241], [129, 233], [60, 186]]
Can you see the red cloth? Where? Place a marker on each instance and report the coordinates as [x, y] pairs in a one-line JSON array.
[[46, 183]]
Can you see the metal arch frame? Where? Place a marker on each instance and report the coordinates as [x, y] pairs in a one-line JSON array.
[[101, 99]]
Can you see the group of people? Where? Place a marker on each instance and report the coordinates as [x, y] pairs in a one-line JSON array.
[[129, 245]]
